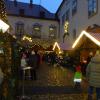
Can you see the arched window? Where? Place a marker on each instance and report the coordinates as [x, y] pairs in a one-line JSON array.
[[52, 31], [19, 28], [36, 30]]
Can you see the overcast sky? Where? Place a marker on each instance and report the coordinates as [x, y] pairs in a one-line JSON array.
[[51, 5]]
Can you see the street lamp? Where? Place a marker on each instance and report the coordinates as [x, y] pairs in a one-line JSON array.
[[3, 26]]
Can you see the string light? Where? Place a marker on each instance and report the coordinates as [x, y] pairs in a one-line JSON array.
[[57, 45], [27, 38], [87, 35], [66, 26], [3, 15], [3, 26]]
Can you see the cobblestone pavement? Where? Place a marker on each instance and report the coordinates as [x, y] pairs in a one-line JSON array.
[[52, 76], [60, 97], [55, 76]]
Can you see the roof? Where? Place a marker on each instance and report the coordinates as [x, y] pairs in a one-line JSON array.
[[63, 1], [62, 46], [95, 37], [65, 46], [29, 11]]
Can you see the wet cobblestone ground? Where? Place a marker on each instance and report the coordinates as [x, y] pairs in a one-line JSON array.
[[55, 76], [59, 97], [52, 76]]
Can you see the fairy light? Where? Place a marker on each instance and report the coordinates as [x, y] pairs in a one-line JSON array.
[[3, 15], [14, 36], [3, 26], [57, 45], [66, 26], [27, 38], [87, 35]]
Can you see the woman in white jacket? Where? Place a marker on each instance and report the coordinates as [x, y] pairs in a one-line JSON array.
[[23, 64], [23, 61]]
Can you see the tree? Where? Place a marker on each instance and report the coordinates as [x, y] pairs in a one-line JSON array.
[[3, 15], [7, 86]]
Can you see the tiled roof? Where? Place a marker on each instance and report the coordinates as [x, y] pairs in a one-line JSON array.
[[96, 36], [29, 11]]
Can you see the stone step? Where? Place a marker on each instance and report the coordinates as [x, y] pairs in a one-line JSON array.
[[29, 90]]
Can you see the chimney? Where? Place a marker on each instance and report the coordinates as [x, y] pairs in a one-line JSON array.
[[15, 3], [31, 3]]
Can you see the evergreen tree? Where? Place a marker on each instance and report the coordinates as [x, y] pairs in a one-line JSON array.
[[6, 88], [3, 15]]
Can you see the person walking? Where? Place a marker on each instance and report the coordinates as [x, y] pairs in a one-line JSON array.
[[93, 76], [34, 62]]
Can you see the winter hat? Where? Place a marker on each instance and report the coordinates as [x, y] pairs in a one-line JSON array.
[[32, 52]]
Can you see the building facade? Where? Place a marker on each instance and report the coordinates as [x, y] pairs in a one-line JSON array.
[[80, 14], [32, 20]]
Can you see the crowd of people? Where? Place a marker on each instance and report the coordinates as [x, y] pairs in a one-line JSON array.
[[91, 69], [30, 61]]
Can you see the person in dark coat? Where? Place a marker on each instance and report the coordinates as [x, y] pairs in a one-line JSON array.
[[34, 63]]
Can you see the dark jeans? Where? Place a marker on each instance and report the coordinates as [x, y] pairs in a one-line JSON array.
[[77, 85], [33, 74], [21, 74], [90, 92]]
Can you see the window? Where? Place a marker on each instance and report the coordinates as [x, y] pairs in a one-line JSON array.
[[21, 12], [74, 7], [36, 30], [52, 31], [19, 28], [92, 7]]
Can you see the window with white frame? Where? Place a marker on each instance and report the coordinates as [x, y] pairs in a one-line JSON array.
[[36, 30], [52, 31], [19, 28], [92, 7], [74, 7]]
